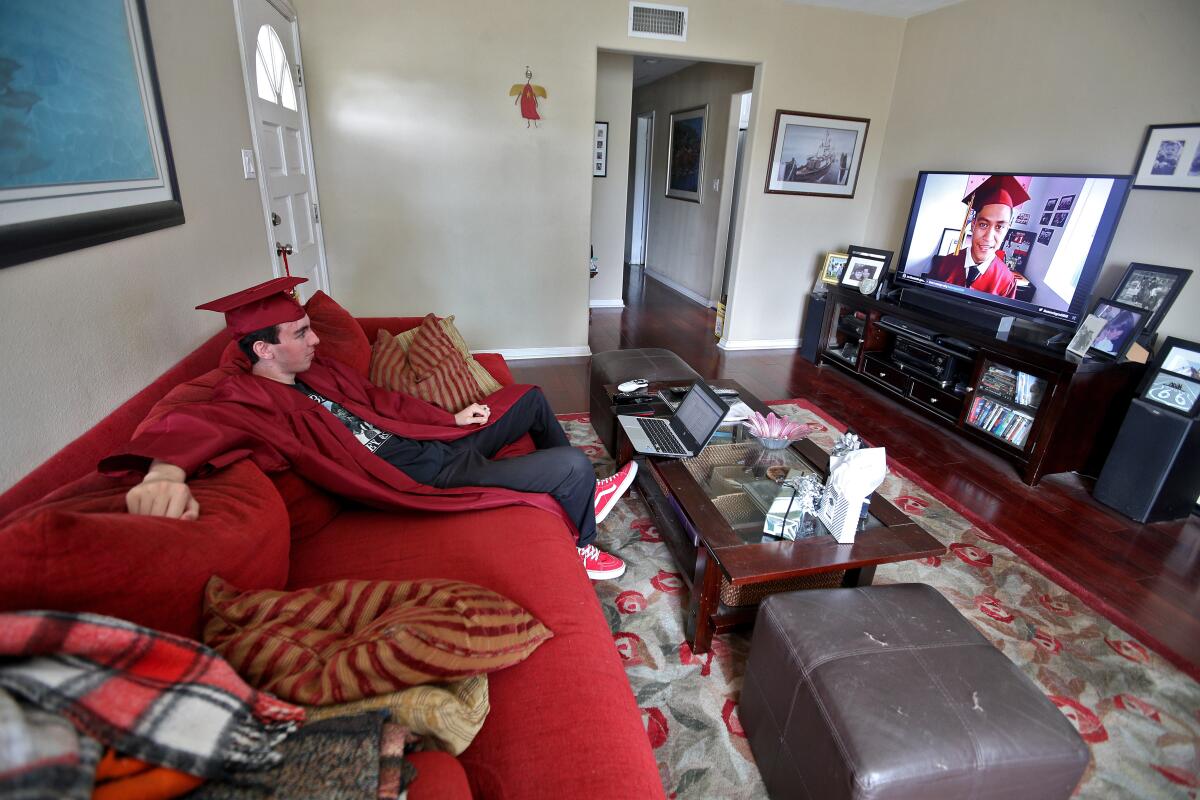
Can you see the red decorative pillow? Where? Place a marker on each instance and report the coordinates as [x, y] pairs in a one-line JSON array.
[[432, 368], [341, 336], [347, 640], [388, 360], [79, 550]]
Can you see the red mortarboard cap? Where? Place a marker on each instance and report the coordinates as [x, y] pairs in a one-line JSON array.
[[261, 306], [1005, 190]]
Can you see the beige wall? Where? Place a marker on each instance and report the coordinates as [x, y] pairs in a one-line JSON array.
[[1082, 81], [614, 99], [682, 236], [84, 331], [435, 195]]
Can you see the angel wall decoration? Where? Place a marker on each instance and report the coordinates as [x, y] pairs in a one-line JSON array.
[[527, 96]]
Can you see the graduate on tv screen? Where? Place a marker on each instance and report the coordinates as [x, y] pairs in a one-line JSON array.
[[979, 266]]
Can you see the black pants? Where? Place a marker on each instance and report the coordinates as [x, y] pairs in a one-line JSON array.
[[556, 468]]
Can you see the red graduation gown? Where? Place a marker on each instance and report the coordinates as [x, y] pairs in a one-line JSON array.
[[998, 279], [278, 427]]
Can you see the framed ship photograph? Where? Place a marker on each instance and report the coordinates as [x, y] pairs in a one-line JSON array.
[[815, 154]]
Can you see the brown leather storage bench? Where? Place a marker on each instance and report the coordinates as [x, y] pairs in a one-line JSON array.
[[888, 692], [618, 366]]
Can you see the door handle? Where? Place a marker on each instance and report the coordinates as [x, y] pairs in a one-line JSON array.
[[282, 249]]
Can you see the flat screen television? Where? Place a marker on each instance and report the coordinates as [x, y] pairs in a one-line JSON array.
[[1042, 264]]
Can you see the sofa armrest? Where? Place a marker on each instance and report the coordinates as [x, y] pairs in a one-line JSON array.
[[497, 366]]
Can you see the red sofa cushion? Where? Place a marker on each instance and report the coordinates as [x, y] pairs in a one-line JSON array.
[[574, 682], [79, 550]]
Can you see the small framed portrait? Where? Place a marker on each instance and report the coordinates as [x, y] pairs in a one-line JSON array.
[[1046, 218], [1176, 393], [1065, 202], [1085, 334], [865, 264], [1045, 235], [1170, 158], [815, 154], [1151, 287], [1060, 219], [1182, 358], [835, 265], [1050, 204], [1122, 324]]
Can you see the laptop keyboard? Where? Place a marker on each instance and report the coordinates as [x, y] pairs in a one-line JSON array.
[[661, 435]]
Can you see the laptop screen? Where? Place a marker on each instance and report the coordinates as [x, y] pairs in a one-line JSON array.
[[698, 415]]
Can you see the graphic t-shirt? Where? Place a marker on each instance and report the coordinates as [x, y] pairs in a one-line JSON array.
[[420, 461]]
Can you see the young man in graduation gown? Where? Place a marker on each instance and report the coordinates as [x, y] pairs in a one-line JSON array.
[[294, 409], [978, 267]]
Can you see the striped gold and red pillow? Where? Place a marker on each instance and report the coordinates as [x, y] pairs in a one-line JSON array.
[[431, 367], [349, 640]]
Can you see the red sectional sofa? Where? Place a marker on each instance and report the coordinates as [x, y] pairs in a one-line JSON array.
[[562, 724]]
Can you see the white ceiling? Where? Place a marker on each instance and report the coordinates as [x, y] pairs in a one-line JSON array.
[[648, 69], [904, 9]]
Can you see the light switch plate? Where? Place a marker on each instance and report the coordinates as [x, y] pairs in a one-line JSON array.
[[248, 164], [716, 184]]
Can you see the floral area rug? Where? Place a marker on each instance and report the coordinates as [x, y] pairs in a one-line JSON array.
[[1139, 715]]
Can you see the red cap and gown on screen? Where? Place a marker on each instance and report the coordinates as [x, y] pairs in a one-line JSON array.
[[269, 303], [997, 278]]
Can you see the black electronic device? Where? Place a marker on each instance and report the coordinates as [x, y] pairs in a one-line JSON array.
[[1153, 470], [901, 325], [631, 398], [923, 359], [814, 318]]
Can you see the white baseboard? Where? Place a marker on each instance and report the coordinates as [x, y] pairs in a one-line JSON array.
[[759, 344], [683, 290], [521, 353], [617, 303]]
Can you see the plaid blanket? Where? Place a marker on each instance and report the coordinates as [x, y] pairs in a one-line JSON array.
[[161, 698]]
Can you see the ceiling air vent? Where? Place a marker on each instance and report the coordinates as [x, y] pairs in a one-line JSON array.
[[651, 21]]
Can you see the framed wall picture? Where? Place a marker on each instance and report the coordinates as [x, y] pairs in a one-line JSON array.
[[1065, 202], [1046, 218], [1151, 287], [815, 154], [835, 265], [1045, 235], [600, 151], [1050, 204], [685, 154], [1170, 158], [1174, 392], [1122, 324], [85, 155]]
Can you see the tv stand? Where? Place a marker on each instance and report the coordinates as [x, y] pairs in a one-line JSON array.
[[1044, 410], [987, 319]]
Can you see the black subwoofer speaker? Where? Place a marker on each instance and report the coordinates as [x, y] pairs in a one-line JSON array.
[[1153, 470], [813, 318]]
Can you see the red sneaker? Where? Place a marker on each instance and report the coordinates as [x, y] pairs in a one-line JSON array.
[[610, 490], [600, 566]]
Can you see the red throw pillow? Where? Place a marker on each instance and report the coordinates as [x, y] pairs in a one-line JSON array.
[[341, 336], [79, 550]]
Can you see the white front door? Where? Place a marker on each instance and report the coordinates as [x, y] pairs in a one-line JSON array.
[[270, 44]]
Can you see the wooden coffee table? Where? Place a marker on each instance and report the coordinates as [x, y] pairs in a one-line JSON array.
[[708, 523]]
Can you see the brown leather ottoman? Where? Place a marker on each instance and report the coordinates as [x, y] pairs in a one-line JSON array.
[[617, 366], [888, 692]]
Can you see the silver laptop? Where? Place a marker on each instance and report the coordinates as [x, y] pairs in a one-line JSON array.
[[684, 433]]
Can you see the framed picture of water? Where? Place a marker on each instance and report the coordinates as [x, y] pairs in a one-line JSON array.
[[84, 153], [816, 154]]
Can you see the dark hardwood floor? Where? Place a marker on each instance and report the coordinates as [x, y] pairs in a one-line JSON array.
[[1146, 578]]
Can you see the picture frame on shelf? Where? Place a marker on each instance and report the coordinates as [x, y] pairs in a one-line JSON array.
[[816, 154], [121, 182], [1151, 287], [866, 265], [685, 154], [1169, 158], [1181, 357], [834, 266], [1174, 392], [1089, 328], [600, 151], [1122, 324]]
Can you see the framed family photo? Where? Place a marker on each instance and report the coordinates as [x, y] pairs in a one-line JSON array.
[[1170, 158], [815, 154], [1151, 287], [85, 153], [685, 154], [835, 265], [1122, 324], [865, 265]]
